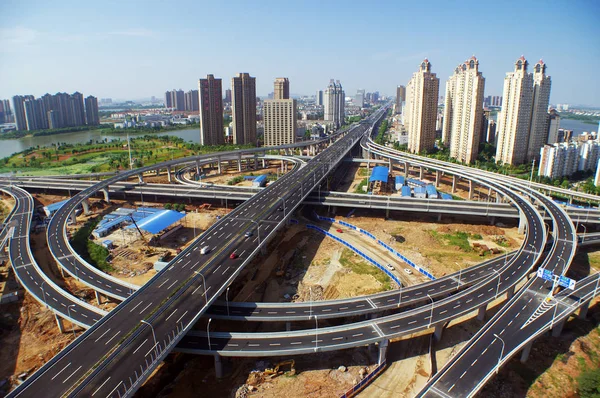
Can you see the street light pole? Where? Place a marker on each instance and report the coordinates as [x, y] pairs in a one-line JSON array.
[[208, 331], [316, 334], [501, 352], [498, 285], [459, 273], [204, 282], [227, 299], [153, 336], [584, 232]]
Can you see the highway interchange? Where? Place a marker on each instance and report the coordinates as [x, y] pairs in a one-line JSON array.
[[126, 346]]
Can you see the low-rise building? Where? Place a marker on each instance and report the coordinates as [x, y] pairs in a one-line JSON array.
[[564, 159]]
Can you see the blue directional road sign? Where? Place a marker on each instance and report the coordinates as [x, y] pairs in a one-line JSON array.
[[566, 282], [545, 274]]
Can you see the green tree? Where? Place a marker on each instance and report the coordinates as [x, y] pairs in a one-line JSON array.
[[589, 384]]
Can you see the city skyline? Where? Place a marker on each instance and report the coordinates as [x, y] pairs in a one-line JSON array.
[[46, 34]]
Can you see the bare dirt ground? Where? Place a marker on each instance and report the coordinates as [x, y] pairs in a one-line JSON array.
[[424, 243]]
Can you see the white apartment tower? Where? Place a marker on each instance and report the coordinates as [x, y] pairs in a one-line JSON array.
[[524, 121], [280, 116], [421, 108], [540, 118], [515, 118], [334, 102], [463, 111]]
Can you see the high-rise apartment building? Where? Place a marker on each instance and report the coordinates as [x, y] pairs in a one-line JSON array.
[[91, 111], [78, 109], [334, 100], [523, 121], [243, 100], [515, 118], [19, 110], [359, 98], [421, 108], [211, 111], [5, 111], [400, 98], [228, 95], [191, 101], [319, 98], [282, 88], [463, 111], [280, 116], [168, 100], [565, 158], [553, 127], [540, 118]]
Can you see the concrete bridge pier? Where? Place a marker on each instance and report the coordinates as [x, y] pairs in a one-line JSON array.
[[383, 346], [256, 161], [526, 351], [437, 332], [437, 178], [106, 194], [453, 183], [288, 326], [98, 298], [470, 189], [219, 164], [420, 172], [86, 206], [73, 218], [557, 328], [522, 223], [140, 178], [489, 195], [59, 323], [218, 366], [169, 170], [263, 164], [481, 313], [498, 197], [198, 168], [239, 162], [510, 292], [406, 169], [439, 217], [583, 310]]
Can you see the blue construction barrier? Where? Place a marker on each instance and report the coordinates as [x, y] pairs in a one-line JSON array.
[[370, 235], [293, 221], [365, 382], [357, 251]]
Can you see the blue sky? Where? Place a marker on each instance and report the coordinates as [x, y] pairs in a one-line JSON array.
[[134, 49]]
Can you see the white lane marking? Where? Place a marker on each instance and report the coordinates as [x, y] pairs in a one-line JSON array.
[[136, 350], [138, 304], [56, 375], [102, 335], [71, 375], [181, 317], [146, 307], [172, 313], [101, 385], [112, 337]]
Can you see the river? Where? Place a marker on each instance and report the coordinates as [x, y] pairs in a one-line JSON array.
[[8, 147]]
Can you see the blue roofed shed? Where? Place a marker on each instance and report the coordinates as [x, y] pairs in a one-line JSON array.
[[260, 181], [52, 208], [379, 173], [158, 221]]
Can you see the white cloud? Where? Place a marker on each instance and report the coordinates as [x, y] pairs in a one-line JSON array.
[[17, 36], [135, 32]]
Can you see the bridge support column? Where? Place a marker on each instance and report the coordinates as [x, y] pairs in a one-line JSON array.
[[219, 164], [439, 217], [437, 332], [420, 172], [526, 351], [481, 313], [492, 220], [106, 195], [97, 297], [169, 173], [453, 183], [218, 367], [198, 168], [510, 293], [406, 171], [255, 161], [522, 223], [470, 189], [59, 323], [387, 213], [583, 310], [239, 162], [140, 178], [557, 328], [288, 326], [86, 206], [489, 195], [383, 346], [263, 164], [498, 197], [437, 178], [73, 218]]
